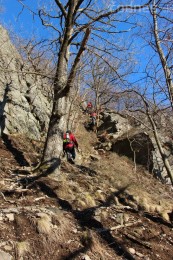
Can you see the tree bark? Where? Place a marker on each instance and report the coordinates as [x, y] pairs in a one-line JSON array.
[[163, 60]]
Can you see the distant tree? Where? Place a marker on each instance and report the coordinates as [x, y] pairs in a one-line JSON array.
[[102, 80]]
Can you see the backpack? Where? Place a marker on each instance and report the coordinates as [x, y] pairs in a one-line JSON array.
[[93, 120], [67, 139]]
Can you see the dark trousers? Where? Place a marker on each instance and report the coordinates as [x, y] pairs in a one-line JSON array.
[[72, 151]]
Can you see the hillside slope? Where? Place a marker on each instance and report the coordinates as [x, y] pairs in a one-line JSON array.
[[100, 208]]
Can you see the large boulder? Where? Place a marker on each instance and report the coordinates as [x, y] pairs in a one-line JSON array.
[[121, 135], [24, 105], [113, 123]]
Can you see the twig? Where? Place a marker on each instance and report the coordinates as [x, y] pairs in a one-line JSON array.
[[125, 225], [117, 227]]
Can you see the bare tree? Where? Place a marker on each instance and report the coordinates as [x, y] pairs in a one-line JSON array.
[[138, 104], [74, 21], [102, 80]]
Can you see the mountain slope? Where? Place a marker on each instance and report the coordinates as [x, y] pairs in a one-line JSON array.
[[100, 208]]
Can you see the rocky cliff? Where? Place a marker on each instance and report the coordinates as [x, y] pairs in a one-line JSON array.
[[24, 103]]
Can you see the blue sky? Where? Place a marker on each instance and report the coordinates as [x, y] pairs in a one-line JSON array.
[[27, 25], [22, 22]]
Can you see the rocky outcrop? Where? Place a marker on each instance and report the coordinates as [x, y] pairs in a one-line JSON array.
[[119, 134], [24, 104], [114, 124], [137, 146]]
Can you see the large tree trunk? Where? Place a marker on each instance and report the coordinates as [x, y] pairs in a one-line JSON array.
[[53, 145], [57, 124], [62, 86]]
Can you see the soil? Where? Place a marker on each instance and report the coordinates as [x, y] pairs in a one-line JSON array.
[[103, 207]]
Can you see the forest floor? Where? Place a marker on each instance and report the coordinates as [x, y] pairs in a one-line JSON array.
[[103, 207]]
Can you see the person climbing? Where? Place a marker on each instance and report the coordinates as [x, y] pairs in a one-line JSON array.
[[92, 122], [89, 107], [83, 105], [69, 144]]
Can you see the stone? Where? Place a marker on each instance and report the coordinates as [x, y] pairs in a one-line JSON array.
[[139, 254], [10, 217], [5, 256], [86, 257], [120, 218], [132, 251], [8, 248], [98, 218]]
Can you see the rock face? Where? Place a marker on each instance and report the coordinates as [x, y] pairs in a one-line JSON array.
[[114, 124], [24, 105], [137, 146], [118, 134]]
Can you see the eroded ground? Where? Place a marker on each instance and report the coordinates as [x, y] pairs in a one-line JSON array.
[[100, 208]]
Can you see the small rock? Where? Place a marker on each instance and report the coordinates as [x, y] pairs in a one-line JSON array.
[[8, 248], [126, 218], [132, 250], [86, 257], [75, 231], [139, 254], [120, 218], [10, 217], [98, 218], [5, 256]]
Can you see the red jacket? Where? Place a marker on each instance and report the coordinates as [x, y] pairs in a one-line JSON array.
[[93, 114], [89, 104], [70, 144]]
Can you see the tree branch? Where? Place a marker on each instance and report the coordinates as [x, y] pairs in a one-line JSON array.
[[61, 7]]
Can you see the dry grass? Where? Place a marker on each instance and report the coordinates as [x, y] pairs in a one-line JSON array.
[[44, 225], [22, 248]]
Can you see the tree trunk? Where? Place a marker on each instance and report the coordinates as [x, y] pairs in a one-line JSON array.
[[62, 86], [58, 119], [165, 66]]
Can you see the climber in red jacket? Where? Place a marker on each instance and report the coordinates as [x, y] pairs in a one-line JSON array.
[[69, 144], [93, 118], [89, 107]]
